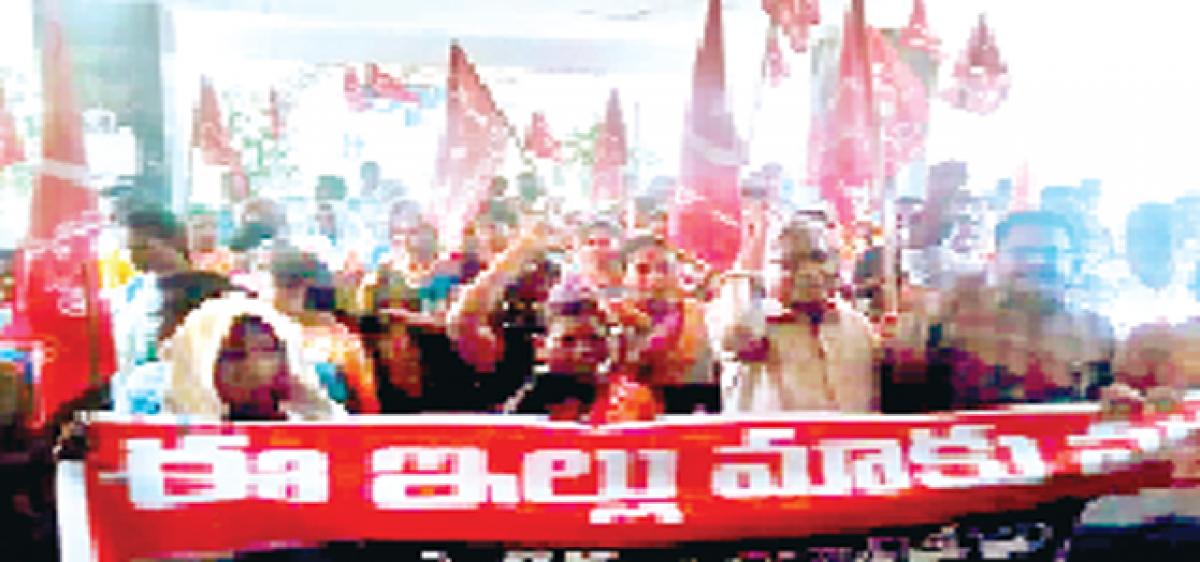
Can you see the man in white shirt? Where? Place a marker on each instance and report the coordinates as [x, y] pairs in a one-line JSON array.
[[799, 349]]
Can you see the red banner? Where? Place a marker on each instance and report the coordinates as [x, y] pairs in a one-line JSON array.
[[158, 489]]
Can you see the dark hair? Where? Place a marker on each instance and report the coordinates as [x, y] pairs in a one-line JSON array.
[[292, 266], [158, 223], [1043, 219], [185, 292]]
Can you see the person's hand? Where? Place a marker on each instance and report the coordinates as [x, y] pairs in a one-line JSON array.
[[1120, 401], [1164, 399]]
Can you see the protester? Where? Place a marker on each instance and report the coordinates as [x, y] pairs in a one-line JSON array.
[[800, 348], [1018, 340], [304, 291], [666, 331], [583, 381], [237, 358], [204, 252], [599, 257]]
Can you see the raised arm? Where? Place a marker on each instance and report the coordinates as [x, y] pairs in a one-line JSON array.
[[467, 323]]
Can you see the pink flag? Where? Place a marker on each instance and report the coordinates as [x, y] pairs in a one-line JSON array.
[[57, 273], [12, 149], [608, 167], [705, 217]]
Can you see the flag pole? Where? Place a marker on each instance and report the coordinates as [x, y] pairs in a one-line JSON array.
[[880, 186]]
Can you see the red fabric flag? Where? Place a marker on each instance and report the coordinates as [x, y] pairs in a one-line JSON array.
[[57, 273], [841, 149], [705, 217], [794, 18], [608, 181], [472, 148], [981, 79], [355, 98], [916, 34], [385, 86], [12, 149], [538, 139], [208, 129], [61, 194]]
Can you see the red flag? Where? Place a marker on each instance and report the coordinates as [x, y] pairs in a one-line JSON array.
[[386, 86], [981, 79], [916, 34], [841, 145], [538, 139], [12, 149], [611, 155], [472, 148], [208, 129], [355, 99], [793, 18], [57, 273], [705, 217], [61, 194]]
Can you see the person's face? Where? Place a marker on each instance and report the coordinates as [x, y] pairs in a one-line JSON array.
[[149, 253], [597, 250], [649, 274], [1034, 258], [202, 233], [575, 344], [250, 361], [803, 266]]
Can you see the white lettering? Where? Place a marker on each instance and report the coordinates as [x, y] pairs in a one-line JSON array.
[[449, 478], [1112, 443], [873, 466], [938, 453], [295, 475], [590, 556], [755, 480], [667, 513], [614, 474], [203, 469], [1026, 459], [541, 468]]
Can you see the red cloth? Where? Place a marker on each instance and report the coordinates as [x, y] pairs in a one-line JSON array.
[[58, 275], [705, 217], [355, 99], [608, 182], [841, 147], [209, 133], [981, 79], [916, 34], [472, 149], [12, 149], [387, 86], [538, 139], [794, 18]]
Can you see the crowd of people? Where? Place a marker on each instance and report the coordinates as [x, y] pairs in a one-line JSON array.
[[598, 316]]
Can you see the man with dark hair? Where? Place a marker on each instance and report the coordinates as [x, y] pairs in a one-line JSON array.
[[160, 298], [1019, 339], [157, 242], [583, 381]]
